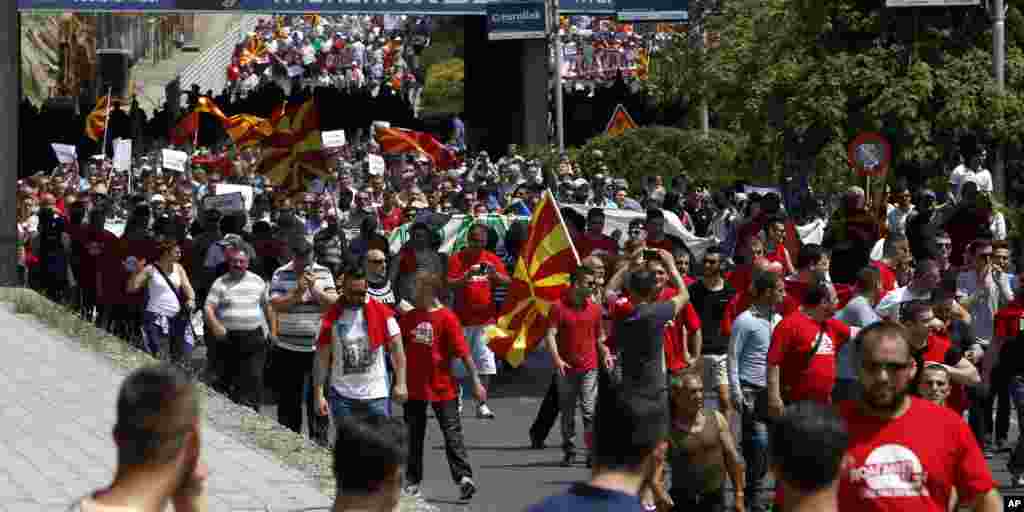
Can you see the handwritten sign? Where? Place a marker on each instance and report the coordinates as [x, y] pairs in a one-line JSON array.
[[377, 166], [66, 154], [174, 160], [225, 203], [333, 139], [123, 154]]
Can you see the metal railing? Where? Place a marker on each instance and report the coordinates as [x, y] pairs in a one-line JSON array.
[[209, 70]]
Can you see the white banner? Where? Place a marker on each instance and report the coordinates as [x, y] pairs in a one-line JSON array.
[[245, 190], [225, 203], [377, 166], [174, 160], [66, 154], [123, 154], [333, 139]]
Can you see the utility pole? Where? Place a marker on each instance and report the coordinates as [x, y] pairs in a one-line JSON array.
[[556, 41], [699, 39], [999, 71]]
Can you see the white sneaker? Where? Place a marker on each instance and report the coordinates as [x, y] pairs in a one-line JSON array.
[[484, 412], [459, 398]]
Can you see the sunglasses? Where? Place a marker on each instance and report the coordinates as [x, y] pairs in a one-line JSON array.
[[375, 262]]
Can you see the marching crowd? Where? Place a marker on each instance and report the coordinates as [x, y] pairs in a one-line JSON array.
[[691, 369]]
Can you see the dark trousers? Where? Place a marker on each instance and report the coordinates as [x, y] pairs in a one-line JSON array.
[[243, 356], [548, 413], [292, 376], [707, 502], [447, 413], [998, 398]]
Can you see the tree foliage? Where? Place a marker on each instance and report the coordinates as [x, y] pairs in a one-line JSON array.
[[799, 79], [445, 87]]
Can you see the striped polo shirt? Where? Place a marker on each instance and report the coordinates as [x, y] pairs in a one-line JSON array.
[[239, 303], [300, 325]]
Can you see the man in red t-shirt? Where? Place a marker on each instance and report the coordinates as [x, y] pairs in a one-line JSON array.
[[927, 347], [802, 357], [896, 249], [906, 454], [433, 340], [575, 338], [593, 240], [473, 273]]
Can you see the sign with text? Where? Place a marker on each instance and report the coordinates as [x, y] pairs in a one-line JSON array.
[[930, 3], [516, 20], [653, 10], [231, 188], [174, 160], [66, 153], [123, 154], [225, 203], [333, 139], [377, 166]]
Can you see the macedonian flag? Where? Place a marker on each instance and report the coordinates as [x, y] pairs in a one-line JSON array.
[[540, 278], [620, 122], [400, 140], [247, 130], [293, 151], [96, 122]]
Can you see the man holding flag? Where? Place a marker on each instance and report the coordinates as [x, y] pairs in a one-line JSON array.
[[473, 273]]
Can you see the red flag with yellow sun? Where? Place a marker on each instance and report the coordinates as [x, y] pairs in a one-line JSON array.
[[540, 278]]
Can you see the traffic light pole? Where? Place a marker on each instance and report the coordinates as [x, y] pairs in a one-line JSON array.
[[999, 72]]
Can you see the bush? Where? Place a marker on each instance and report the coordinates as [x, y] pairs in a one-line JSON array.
[[445, 88], [668, 152]]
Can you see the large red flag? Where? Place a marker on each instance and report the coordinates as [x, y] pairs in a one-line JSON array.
[[400, 140], [540, 278], [185, 131], [293, 152]]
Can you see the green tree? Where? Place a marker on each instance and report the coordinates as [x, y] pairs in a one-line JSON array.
[[445, 87], [799, 79]]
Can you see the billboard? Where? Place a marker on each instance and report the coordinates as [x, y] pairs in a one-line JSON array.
[[930, 3], [653, 10]]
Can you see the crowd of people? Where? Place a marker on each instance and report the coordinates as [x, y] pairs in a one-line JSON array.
[[687, 365], [337, 51]]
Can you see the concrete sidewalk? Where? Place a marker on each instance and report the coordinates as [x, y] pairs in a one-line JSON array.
[[57, 403]]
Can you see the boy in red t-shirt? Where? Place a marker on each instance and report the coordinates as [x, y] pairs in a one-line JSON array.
[[433, 339], [575, 339]]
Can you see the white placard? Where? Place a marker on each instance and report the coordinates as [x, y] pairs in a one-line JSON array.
[[66, 154], [174, 160], [123, 154], [333, 139], [231, 188], [225, 203], [294, 71], [377, 166]]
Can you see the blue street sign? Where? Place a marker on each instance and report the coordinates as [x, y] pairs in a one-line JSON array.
[[516, 20]]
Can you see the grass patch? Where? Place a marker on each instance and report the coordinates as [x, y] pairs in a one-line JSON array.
[[242, 424]]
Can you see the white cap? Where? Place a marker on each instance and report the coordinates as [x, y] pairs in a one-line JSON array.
[[157, 198]]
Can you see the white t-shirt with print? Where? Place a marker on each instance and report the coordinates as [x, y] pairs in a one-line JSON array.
[[358, 372]]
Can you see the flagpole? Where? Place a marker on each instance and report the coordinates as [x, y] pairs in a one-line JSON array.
[[106, 123], [568, 235]]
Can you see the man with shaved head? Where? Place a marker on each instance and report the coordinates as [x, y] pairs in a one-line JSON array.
[[906, 453]]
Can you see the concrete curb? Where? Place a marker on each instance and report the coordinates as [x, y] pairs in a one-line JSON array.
[[242, 424]]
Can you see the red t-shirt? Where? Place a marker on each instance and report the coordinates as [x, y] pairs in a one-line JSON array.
[[577, 334], [887, 276], [473, 302], [910, 463], [806, 377], [432, 339], [586, 246], [391, 220], [795, 291], [740, 278], [1008, 319], [96, 245]]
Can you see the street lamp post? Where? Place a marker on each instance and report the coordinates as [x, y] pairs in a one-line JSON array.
[[556, 40], [999, 72]]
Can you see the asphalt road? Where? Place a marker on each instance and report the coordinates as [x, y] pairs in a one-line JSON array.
[[509, 474]]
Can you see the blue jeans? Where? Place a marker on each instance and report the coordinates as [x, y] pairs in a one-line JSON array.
[[344, 407]]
